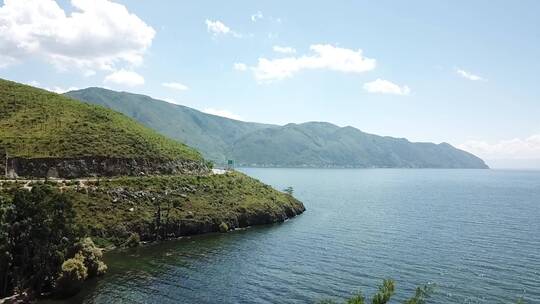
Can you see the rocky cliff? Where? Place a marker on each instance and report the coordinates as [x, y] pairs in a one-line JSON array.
[[100, 166]]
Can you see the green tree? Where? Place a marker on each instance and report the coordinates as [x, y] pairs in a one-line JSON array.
[[92, 257], [387, 290], [72, 275], [421, 294], [289, 190], [385, 293], [36, 228], [6, 259]]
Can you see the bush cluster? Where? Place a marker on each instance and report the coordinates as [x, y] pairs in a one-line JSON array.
[[385, 293], [41, 249]]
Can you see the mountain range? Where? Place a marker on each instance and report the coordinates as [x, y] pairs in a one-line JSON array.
[[310, 144]]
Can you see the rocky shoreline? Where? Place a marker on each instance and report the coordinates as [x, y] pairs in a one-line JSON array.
[[189, 227], [180, 208], [158, 207]]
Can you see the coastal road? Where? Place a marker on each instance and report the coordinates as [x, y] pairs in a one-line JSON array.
[[82, 181]]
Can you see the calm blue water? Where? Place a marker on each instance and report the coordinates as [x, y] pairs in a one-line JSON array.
[[473, 233]]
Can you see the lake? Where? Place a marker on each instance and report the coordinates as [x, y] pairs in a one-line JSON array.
[[475, 234]]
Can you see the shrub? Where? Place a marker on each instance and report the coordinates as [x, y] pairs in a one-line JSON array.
[[289, 190], [92, 257], [223, 227], [72, 275]]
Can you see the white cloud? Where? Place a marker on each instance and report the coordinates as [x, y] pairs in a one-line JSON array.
[[175, 86], [126, 78], [240, 66], [61, 90], [219, 28], [324, 56], [55, 89], [382, 86], [98, 34], [284, 49], [468, 75], [517, 148], [223, 113], [258, 15]]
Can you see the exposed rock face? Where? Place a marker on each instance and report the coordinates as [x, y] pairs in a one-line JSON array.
[[100, 166], [187, 227]]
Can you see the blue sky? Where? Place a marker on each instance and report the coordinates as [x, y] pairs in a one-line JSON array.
[[463, 72]]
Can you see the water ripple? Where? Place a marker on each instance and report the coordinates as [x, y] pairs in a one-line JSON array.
[[474, 233]]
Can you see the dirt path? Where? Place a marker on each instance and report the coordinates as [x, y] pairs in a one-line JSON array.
[[27, 182], [82, 181]]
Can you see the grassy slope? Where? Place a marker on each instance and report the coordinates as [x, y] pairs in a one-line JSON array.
[[38, 123], [210, 134], [103, 209], [216, 198]]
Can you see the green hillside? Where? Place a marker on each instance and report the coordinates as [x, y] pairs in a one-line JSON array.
[[210, 134], [37, 123], [41, 230], [317, 144], [314, 144]]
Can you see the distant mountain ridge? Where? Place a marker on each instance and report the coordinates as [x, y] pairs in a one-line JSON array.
[[311, 144], [210, 134]]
